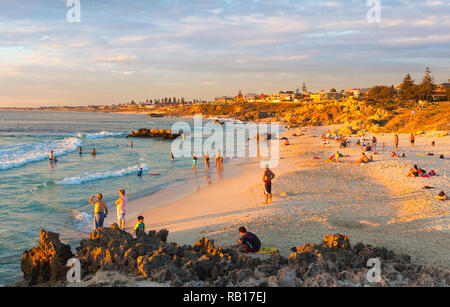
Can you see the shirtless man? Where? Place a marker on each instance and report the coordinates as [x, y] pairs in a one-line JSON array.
[[267, 178], [100, 211]]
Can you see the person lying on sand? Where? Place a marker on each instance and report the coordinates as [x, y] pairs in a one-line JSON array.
[[249, 242], [442, 196]]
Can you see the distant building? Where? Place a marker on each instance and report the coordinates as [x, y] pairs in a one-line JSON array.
[[224, 99], [442, 88], [357, 92]]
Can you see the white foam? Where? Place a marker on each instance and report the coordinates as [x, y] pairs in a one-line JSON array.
[[20, 154], [102, 174], [105, 134]]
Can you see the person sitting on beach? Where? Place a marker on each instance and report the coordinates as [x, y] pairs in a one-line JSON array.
[[140, 173], [249, 242], [336, 156], [365, 159], [139, 229], [368, 147], [121, 204], [267, 178], [286, 142], [442, 196], [414, 172], [100, 210], [93, 152]]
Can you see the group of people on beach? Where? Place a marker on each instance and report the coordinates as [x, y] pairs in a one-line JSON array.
[[101, 212], [206, 159]]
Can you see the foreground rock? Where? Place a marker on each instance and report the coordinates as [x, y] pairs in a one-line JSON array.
[[333, 262], [47, 262], [154, 133]]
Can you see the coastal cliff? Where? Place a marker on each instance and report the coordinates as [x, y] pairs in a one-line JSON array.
[[333, 262], [355, 115]]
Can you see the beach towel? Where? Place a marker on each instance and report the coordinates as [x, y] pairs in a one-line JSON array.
[[317, 158], [268, 250]]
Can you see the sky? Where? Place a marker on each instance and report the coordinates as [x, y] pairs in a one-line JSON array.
[[137, 50]]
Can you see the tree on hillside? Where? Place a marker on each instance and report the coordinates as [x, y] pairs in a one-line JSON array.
[[381, 93], [426, 88], [304, 88], [409, 89]]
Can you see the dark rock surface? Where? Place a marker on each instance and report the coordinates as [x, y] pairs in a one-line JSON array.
[[46, 262], [333, 262], [154, 133]]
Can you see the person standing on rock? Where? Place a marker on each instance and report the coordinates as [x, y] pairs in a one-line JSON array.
[[121, 204], [100, 211]]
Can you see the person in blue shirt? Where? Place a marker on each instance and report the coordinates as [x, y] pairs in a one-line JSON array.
[[140, 173]]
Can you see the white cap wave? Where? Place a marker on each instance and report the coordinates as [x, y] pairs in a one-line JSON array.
[[102, 174]]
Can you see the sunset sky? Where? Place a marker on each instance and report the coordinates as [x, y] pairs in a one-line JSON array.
[[136, 49]]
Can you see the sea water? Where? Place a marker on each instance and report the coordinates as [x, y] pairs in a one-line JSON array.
[[35, 193]]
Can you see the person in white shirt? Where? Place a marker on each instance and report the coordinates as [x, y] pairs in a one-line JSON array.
[[121, 204]]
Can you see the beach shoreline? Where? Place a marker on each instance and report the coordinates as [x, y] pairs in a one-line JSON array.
[[217, 210]]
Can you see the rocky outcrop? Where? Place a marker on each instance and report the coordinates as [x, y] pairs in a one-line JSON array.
[[111, 249], [333, 262], [46, 263], [154, 133]]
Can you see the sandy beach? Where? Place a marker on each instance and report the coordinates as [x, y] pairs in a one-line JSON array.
[[374, 203]]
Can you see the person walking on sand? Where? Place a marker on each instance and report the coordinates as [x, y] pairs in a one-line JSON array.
[[172, 157], [121, 204], [131, 144], [194, 160], [412, 139], [396, 142], [206, 159], [80, 150], [218, 156], [267, 178], [100, 210]]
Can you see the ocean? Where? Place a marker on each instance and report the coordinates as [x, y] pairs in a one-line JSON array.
[[37, 194]]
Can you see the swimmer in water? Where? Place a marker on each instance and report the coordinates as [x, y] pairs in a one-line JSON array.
[[140, 173], [52, 157], [93, 152], [194, 160]]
